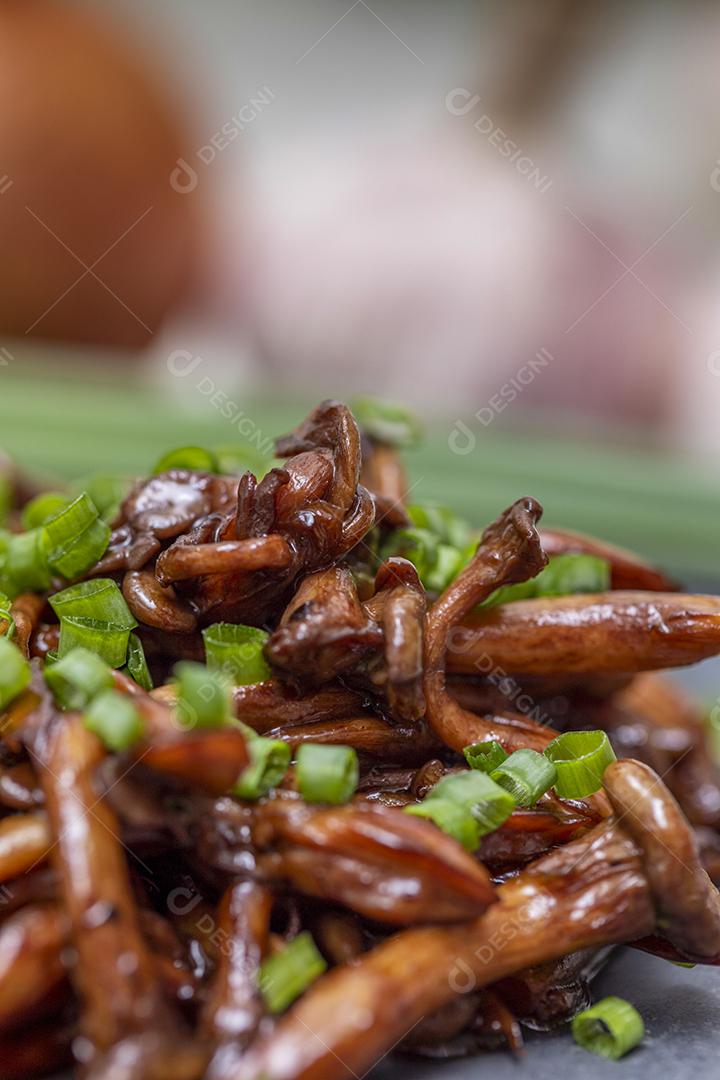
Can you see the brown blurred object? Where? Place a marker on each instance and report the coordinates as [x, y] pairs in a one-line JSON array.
[[88, 145]]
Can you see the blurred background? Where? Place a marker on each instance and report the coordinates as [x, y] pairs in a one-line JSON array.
[[505, 215]]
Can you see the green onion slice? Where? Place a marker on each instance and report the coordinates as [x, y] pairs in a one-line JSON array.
[[194, 458], [76, 537], [25, 563], [94, 615], [563, 575], [77, 678], [136, 666], [108, 641], [98, 599], [580, 759], [286, 975], [448, 564], [437, 563], [237, 650], [269, 761], [484, 756], [526, 775], [386, 422], [114, 719], [436, 558], [452, 818], [488, 803], [611, 1028], [326, 774], [43, 507], [443, 522], [566, 574], [14, 672], [203, 696]]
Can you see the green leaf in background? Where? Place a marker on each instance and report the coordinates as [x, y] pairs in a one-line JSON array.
[[107, 491], [56, 417], [235, 459], [5, 497]]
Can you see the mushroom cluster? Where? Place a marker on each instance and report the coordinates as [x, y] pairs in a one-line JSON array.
[[249, 844]]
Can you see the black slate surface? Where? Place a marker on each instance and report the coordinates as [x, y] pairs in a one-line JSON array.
[[681, 1010]]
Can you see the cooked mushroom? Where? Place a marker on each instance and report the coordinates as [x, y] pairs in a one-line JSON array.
[[153, 871]]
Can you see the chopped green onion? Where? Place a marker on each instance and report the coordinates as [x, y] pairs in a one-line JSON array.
[[14, 672], [114, 719], [93, 614], [77, 678], [437, 563], [437, 543], [99, 599], [563, 576], [76, 537], [567, 574], [488, 803], [611, 1028], [580, 758], [203, 696], [526, 775], [25, 564], [284, 976], [136, 666], [6, 617], [416, 544], [238, 651], [448, 564], [43, 507], [442, 522], [484, 756], [194, 458], [326, 774], [269, 761], [386, 422], [508, 594], [110, 642], [454, 819]]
